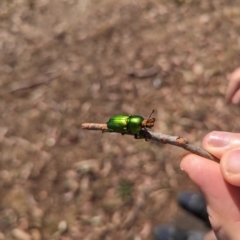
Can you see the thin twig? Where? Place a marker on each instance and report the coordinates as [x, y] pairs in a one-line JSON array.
[[179, 142], [95, 126], [159, 137], [143, 73], [24, 85]]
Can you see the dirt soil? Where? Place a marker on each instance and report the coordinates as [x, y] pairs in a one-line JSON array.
[[66, 62]]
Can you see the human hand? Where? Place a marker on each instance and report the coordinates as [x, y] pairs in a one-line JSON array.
[[233, 89], [219, 183]]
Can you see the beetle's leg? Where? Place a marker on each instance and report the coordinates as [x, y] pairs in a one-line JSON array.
[[142, 134], [138, 136]]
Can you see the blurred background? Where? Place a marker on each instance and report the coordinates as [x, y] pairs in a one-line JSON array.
[[66, 62]]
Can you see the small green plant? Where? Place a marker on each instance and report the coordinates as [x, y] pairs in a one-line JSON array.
[[125, 189]]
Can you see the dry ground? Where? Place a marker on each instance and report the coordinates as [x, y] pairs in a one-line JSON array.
[[64, 62]]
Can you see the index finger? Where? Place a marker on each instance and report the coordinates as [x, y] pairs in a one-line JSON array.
[[234, 85]]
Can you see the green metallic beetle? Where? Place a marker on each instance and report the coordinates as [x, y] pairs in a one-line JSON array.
[[130, 124]]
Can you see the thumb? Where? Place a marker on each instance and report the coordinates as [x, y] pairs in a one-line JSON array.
[[222, 199], [230, 166], [226, 146]]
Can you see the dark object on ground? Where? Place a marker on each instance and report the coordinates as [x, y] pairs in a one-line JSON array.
[[195, 204], [171, 233]]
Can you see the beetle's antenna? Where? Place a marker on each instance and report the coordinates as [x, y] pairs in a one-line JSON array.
[[151, 114]]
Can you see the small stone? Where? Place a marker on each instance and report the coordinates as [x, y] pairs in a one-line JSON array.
[[62, 226], [157, 82], [87, 166], [198, 69], [204, 18], [86, 106], [96, 221], [71, 185], [51, 142], [68, 196]]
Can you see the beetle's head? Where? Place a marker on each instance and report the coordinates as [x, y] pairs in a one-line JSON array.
[[148, 123]]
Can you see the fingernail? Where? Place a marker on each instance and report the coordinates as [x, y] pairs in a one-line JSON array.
[[232, 164], [219, 139]]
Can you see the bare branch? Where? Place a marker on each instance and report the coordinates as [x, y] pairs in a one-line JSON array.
[[179, 142], [161, 138], [95, 126]]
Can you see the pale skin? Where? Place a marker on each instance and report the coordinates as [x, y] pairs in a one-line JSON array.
[[233, 89], [220, 182], [219, 185]]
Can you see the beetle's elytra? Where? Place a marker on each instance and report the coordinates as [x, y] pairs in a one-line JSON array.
[[129, 124]]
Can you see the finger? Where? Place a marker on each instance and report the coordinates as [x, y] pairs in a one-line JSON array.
[[236, 97], [206, 175], [217, 143], [234, 84], [210, 236], [222, 199], [230, 166]]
